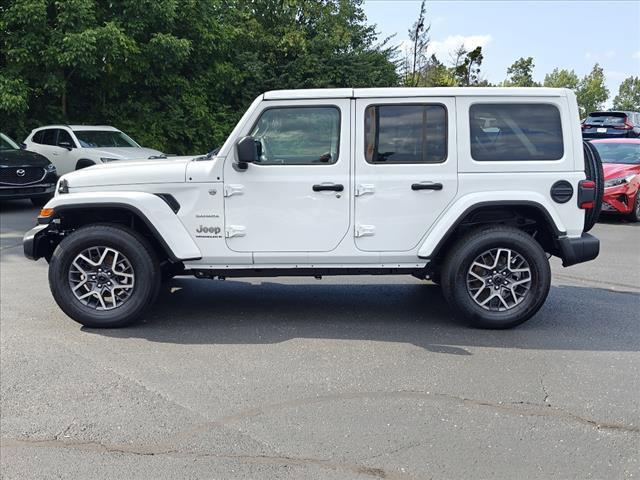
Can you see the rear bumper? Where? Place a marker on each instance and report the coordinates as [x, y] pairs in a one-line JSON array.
[[578, 250]]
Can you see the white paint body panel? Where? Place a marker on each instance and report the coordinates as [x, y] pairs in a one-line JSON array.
[[151, 206], [271, 217]]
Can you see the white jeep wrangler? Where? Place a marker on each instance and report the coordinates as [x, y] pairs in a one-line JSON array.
[[471, 188]]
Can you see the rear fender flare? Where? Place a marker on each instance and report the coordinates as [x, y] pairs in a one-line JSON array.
[[456, 213]]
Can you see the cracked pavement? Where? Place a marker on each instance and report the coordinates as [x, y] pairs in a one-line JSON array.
[[334, 379]]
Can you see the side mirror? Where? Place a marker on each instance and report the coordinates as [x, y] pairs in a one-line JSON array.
[[66, 145], [248, 151]]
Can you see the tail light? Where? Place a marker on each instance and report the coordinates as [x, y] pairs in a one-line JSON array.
[[586, 194], [626, 126]]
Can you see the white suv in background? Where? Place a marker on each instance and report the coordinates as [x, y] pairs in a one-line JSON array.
[[72, 147]]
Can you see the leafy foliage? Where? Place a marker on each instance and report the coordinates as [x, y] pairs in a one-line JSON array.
[[592, 92], [561, 79], [520, 74], [628, 97], [175, 74]]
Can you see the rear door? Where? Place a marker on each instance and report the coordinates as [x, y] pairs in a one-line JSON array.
[[405, 169]]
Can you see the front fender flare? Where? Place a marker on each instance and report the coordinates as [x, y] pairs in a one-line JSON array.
[[150, 208]]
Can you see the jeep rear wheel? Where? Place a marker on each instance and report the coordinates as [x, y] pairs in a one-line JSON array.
[[496, 277], [104, 276]]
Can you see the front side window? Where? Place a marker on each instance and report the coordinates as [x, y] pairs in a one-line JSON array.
[[298, 135], [515, 131], [64, 139], [405, 134], [103, 139], [49, 136]]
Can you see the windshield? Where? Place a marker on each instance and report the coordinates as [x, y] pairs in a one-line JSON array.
[[7, 144], [104, 139], [626, 153]]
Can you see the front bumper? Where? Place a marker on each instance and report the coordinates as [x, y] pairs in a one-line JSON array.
[[15, 192], [35, 242], [619, 199], [578, 250]]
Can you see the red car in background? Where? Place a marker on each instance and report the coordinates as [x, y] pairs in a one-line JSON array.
[[621, 164]]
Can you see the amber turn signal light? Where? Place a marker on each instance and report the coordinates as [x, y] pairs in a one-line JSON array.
[[46, 213]]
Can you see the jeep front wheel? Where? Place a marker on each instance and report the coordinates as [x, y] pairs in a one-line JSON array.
[[496, 277], [104, 276]]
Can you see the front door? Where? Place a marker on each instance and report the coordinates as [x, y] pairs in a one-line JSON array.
[[296, 198], [405, 170]]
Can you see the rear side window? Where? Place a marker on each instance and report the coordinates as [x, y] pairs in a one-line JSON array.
[[405, 134], [515, 131]]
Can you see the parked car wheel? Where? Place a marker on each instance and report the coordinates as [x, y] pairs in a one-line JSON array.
[[496, 277], [104, 276]]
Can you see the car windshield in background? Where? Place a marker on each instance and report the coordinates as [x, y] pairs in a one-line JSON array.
[[605, 120], [103, 139], [6, 143], [627, 153]]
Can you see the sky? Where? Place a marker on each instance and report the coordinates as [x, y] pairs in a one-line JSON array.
[[564, 34]]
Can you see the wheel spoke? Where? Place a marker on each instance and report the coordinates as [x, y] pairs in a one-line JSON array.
[[101, 278], [504, 273]]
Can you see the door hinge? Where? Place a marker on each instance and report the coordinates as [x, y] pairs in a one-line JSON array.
[[365, 230], [235, 231], [233, 189], [364, 188]]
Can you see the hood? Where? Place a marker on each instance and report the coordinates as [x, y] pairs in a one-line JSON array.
[[169, 170], [615, 170], [125, 153], [22, 158]]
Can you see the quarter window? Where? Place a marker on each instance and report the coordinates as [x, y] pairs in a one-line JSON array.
[[518, 132], [405, 134], [298, 135]]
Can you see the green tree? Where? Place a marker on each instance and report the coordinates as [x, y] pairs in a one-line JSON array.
[[561, 79], [592, 92], [436, 74], [628, 97], [520, 73], [176, 74], [466, 69]]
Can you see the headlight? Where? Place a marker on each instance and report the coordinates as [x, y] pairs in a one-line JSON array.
[[107, 159], [614, 182], [50, 168]]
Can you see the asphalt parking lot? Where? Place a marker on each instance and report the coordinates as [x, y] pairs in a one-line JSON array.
[[339, 378]]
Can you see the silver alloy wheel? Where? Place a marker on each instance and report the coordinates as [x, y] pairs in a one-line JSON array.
[[499, 279], [101, 278]]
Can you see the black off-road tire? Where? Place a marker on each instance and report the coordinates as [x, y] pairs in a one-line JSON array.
[[593, 171], [462, 255], [133, 246]]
